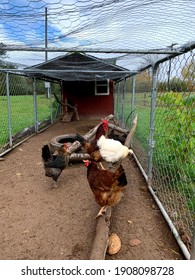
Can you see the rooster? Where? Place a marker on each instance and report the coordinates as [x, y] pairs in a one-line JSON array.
[[91, 146], [54, 164], [112, 150], [106, 186]]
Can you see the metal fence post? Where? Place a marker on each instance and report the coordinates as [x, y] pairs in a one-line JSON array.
[[133, 98], [51, 113], [123, 104], [35, 105], [117, 102], [9, 109], [115, 98], [151, 143]]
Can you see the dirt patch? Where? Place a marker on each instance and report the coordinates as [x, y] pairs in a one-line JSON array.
[[38, 222]]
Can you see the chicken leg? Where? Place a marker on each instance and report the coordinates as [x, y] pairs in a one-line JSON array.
[[102, 210], [101, 165], [55, 185]]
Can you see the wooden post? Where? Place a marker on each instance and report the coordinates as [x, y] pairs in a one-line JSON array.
[[192, 255], [100, 243], [117, 128], [131, 132], [78, 157]]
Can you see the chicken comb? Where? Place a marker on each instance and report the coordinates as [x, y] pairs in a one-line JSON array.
[[86, 162], [104, 122]]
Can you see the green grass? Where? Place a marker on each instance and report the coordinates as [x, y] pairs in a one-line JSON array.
[[142, 109], [22, 113], [174, 150]]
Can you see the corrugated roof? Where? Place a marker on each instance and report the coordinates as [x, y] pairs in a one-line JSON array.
[[78, 67]]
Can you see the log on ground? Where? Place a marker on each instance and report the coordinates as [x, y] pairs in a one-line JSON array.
[[100, 243]]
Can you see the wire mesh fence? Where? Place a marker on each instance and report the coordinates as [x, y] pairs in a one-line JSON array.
[[174, 153], [164, 142], [134, 36], [94, 25], [27, 106]]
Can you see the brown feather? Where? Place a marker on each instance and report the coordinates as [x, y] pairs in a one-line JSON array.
[[106, 186]]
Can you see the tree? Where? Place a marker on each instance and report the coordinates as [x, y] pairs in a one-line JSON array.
[[4, 64], [188, 74], [143, 81], [2, 51]]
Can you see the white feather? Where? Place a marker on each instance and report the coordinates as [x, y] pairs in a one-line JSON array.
[[112, 150]]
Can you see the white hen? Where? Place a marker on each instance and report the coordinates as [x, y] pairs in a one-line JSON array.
[[112, 150]]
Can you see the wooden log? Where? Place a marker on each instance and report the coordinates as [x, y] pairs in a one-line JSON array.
[[74, 157], [127, 141], [92, 132], [192, 253], [76, 144], [73, 147], [76, 113], [100, 243], [118, 128], [131, 132]]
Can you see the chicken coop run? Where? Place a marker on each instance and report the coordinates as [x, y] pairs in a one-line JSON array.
[[144, 48]]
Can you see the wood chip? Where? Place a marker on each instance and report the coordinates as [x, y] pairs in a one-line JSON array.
[[134, 242]]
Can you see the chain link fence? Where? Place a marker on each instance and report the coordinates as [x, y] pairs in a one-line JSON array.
[[174, 153], [163, 97], [27, 106]]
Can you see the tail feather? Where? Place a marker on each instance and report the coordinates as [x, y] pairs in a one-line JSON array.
[[121, 176], [46, 154], [81, 139]]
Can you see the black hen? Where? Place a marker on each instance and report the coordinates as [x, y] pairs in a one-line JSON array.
[[118, 137], [54, 164]]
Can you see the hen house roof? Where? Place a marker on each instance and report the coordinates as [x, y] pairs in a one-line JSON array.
[[78, 67]]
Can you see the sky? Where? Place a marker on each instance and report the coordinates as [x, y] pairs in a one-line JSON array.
[[97, 24]]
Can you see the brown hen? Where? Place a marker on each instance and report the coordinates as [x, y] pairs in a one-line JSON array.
[[106, 186]]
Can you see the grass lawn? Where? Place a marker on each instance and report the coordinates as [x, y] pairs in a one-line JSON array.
[[22, 113]]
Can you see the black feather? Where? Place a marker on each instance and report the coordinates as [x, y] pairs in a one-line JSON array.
[[46, 154], [80, 138], [53, 164], [122, 180], [57, 162]]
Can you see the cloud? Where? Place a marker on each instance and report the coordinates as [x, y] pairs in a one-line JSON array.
[[98, 24]]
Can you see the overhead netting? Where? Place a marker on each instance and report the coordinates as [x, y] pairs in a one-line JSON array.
[[126, 30]]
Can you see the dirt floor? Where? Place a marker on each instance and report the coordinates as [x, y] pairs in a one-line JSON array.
[[40, 222]]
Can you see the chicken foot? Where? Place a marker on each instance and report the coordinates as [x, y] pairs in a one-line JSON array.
[[102, 210], [55, 185], [101, 165]]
